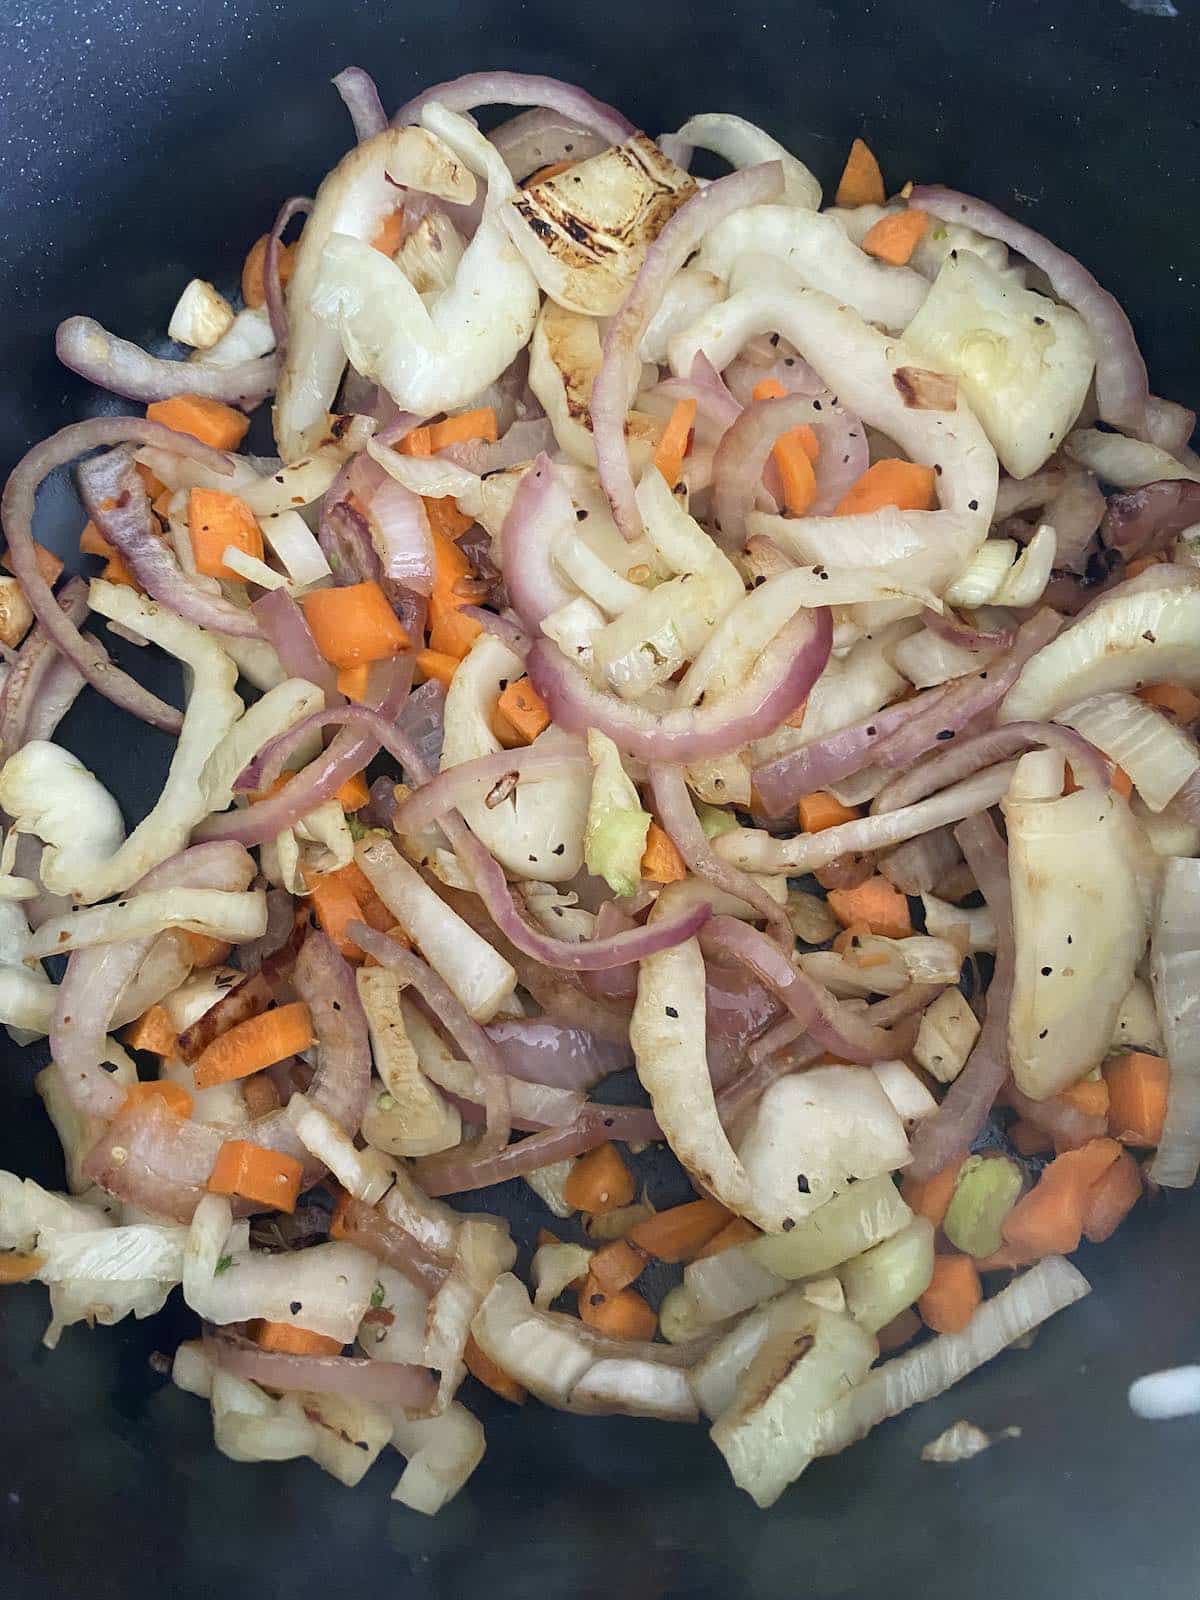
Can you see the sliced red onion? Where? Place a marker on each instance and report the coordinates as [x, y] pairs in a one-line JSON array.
[[542, 137], [128, 370], [764, 357], [422, 723], [743, 454], [60, 688], [1075, 513], [297, 206], [154, 1159], [540, 512], [344, 535], [475, 780], [617, 378], [503, 628], [771, 1059], [281, 922], [460, 1171], [778, 684], [95, 977], [361, 99], [538, 1050], [677, 815], [1066, 1124], [1122, 388], [351, 751], [949, 1132], [29, 676], [283, 625], [465, 1031], [403, 542], [919, 865], [955, 631], [716, 409], [1144, 521], [1171, 425], [828, 1022], [381, 1383], [969, 756], [522, 441], [371, 1230], [476, 89], [116, 500], [401, 425], [16, 512], [901, 733]]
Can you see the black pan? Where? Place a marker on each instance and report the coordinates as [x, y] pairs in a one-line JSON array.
[[145, 143]]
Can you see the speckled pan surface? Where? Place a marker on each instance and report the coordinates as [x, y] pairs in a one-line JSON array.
[[142, 143]]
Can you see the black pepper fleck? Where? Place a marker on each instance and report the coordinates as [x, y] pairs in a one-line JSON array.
[[672, 1013], [296, 1307], [803, 1184]]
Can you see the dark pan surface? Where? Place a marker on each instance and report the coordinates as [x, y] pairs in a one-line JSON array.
[[144, 144]]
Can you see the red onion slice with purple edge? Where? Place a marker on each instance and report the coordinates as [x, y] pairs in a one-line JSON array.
[[475, 89], [128, 370], [1122, 388]]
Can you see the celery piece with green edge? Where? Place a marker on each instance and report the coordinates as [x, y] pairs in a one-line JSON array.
[[986, 1190], [614, 840]]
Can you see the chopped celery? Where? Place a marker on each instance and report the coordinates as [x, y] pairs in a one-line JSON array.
[[615, 837], [987, 1189], [861, 1216], [881, 1282]]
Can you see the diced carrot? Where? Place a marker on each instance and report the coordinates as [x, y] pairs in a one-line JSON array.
[[772, 389], [599, 1182], [1049, 1219], [210, 421], [468, 425], [1142, 564], [153, 485], [433, 664], [794, 719], [249, 1171], [117, 571], [661, 861], [524, 709], [954, 1292], [341, 1205], [215, 521], [353, 794], [354, 682], [173, 1095], [894, 238], [901, 1330], [624, 1315], [161, 505], [291, 1340], [793, 454], [93, 543], [390, 233], [254, 290], [820, 811], [1173, 698], [258, 1042], [735, 1232], [452, 634], [205, 951], [445, 517], [1089, 1095], [673, 445], [1030, 1140], [543, 174], [1111, 1198], [861, 181], [48, 563], [877, 903], [1137, 1096], [153, 1031], [616, 1265], [891, 482], [20, 1266], [354, 625], [931, 1197], [481, 1366], [849, 937], [336, 908], [678, 1234]]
